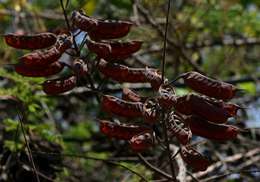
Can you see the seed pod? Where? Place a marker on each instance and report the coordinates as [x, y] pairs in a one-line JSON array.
[[194, 104], [218, 132], [121, 131], [167, 97], [179, 129], [43, 58], [31, 42], [229, 107], [141, 142], [79, 67], [83, 22], [122, 73], [194, 159], [110, 30], [60, 85], [151, 111], [208, 86], [121, 108], [113, 51], [129, 95], [50, 70]]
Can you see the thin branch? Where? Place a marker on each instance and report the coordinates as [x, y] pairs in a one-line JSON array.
[[21, 119], [68, 26], [153, 168], [92, 158]]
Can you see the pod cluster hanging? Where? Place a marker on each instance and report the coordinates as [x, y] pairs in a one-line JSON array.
[[203, 114]]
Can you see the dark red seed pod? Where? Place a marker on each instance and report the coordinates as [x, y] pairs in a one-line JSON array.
[[154, 77], [50, 70], [31, 42], [179, 129], [83, 22], [142, 142], [195, 104], [121, 108], [151, 111], [102, 49], [129, 95], [121, 131], [123, 73], [110, 30], [218, 132], [194, 159], [43, 58], [79, 67], [167, 97], [208, 86], [229, 107], [113, 51], [60, 85]]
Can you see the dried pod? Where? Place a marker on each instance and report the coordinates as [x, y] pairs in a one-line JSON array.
[[167, 97], [113, 51], [102, 49], [129, 95], [60, 85], [142, 141], [121, 131], [122, 108], [229, 107], [50, 70], [154, 77], [79, 67], [43, 58], [151, 111], [203, 128], [123, 73], [31, 42], [208, 86], [179, 129], [195, 104], [83, 22], [110, 30], [194, 159]]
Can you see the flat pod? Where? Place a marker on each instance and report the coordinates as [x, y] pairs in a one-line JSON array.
[[50, 70], [179, 129], [123, 73], [121, 131], [114, 50], [60, 85], [194, 159], [142, 142], [208, 86], [218, 132], [129, 95], [31, 42], [110, 30], [43, 58], [194, 104], [121, 108], [83, 22]]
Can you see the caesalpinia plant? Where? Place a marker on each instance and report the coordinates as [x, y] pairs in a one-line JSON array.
[[203, 114]]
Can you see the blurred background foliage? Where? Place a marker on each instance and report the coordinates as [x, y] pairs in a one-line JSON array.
[[215, 35]]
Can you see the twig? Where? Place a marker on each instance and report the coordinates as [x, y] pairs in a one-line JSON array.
[[92, 158], [164, 115], [68, 26], [153, 168], [21, 118]]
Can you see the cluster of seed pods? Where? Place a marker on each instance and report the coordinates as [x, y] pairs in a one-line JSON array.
[[43, 61], [203, 114]]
